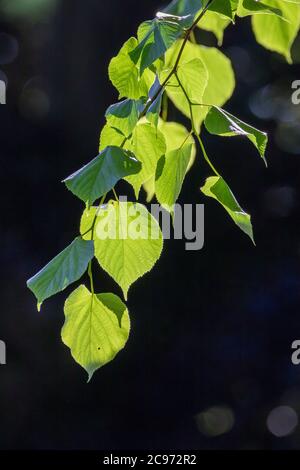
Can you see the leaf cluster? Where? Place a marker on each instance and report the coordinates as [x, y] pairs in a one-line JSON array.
[[139, 145]]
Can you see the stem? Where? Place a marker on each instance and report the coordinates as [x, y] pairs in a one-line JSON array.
[[205, 155], [92, 227], [90, 273], [186, 139], [194, 130], [115, 194], [165, 103], [189, 102], [193, 37], [124, 142]]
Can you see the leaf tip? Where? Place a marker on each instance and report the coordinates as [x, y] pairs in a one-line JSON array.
[[125, 293], [90, 375]]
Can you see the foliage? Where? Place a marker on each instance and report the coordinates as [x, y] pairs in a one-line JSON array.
[[138, 144]]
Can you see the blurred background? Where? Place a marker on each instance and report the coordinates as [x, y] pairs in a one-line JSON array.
[[208, 364]]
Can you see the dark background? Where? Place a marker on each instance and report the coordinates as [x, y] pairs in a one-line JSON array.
[[209, 329]]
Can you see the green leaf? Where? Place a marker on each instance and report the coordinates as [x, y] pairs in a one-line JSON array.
[[252, 7], [193, 76], [124, 74], [217, 91], [110, 136], [149, 188], [96, 328], [100, 175], [214, 23], [225, 8], [274, 33], [124, 115], [184, 7], [170, 174], [67, 267], [148, 144], [175, 135], [155, 38], [220, 122], [127, 239], [154, 110], [216, 188]]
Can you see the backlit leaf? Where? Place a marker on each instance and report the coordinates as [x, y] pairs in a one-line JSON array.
[[252, 7], [275, 33], [220, 122], [170, 174], [127, 239], [100, 175], [221, 80], [216, 188], [148, 144], [66, 268], [96, 328], [124, 115], [215, 23], [155, 38], [124, 74], [175, 135]]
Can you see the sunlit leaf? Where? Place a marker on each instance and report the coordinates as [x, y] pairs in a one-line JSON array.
[[110, 136], [154, 110], [216, 188], [170, 174], [66, 268], [96, 328], [176, 135], [224, 7], [193, 77], [187, 8], [155, 38], [124, 115], [215, 23], [127, 239], [100, 175], [252, 7], [275, 33], [148, 145], [124, 74], [220, 122], [217, 91]]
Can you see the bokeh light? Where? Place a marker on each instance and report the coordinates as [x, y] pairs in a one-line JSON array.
[[34, 102], [282, 421], [279, 201], [31, 10], [215, 421], [287, 137], [9, 48]]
